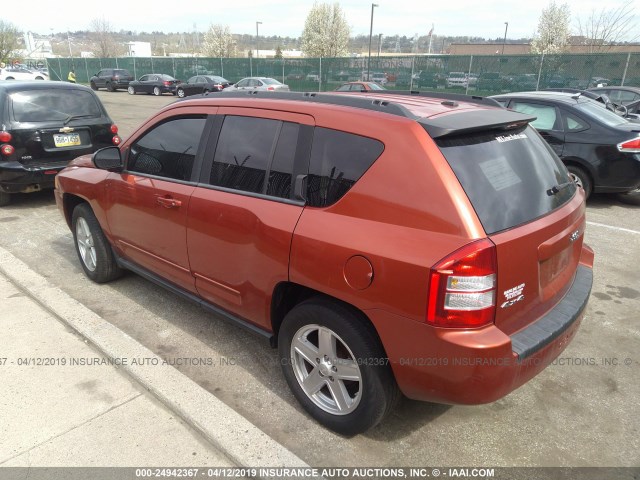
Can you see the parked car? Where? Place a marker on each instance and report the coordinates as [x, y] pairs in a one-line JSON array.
[[258, 83], [112, 79], [202, 84], [156, 83], [43, 126], [16, 72], [600, 149], [524, 82], [295, 75], [313, 77], [457, 80], [430, 80], [493, 82], [448, 280], [379, 77], [620, 95], [359, 87]]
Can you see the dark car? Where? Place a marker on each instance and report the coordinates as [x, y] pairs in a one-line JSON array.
[[600, 149], [201, 84], [156, 83], [430, 80], [44, 125], [455, 278], [112, 79], [627, 96], [493, 82]]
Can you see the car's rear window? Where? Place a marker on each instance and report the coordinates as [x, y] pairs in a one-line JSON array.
[[53, 105], [270, 81], [507, 175]]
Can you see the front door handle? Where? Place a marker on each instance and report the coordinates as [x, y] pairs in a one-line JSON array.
[[168, 202]]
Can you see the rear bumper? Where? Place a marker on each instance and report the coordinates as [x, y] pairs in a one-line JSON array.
[[16, 177], [478, 366]]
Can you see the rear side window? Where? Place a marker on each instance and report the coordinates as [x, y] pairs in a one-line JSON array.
[[255, 155], [53, 105], [507, 175], [169, 149], [338, 160], [548, 118]]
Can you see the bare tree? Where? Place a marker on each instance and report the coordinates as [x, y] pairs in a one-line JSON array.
[[609, 26], [218, 42], [553, 30], [9, 40], [326, 32], [102, 33]]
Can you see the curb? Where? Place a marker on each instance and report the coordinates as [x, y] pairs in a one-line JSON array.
[[228, 431]]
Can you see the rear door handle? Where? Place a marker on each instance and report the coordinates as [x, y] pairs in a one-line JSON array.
[[168, 202]]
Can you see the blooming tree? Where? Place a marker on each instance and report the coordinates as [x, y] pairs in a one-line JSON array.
[[553, 30], [326, 32]]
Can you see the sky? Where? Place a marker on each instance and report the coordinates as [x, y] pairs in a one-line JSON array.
[[481, 18]]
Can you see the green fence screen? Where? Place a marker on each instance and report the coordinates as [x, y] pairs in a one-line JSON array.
[[478, 74]]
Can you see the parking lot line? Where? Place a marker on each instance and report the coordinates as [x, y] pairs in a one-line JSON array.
[[620, 229]]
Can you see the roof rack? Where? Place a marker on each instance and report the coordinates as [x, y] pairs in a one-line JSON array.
[[448, 96], [327, 98]]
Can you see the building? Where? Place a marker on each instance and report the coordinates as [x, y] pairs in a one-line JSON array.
[[138, 49]]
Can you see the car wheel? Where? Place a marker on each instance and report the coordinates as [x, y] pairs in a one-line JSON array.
[[131, 91], [9, 78], [93, 86], [96, 257], [110, 87], [581, 178], [180, 93], [156, 91], [336, 367], [39, 78], [5, 198], [632, 197]]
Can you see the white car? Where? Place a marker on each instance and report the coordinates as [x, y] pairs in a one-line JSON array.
[[457, 79], [21, 73]]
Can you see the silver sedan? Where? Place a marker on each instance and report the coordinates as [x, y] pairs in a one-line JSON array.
[[258, 83]]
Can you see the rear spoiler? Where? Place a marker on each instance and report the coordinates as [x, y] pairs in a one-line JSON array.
[[463, 122]]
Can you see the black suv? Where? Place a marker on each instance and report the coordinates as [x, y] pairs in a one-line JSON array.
[[44, 125], [600, 149], [112, 79]]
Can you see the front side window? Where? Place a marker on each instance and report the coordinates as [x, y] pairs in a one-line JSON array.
[[338, 160], [169, 149], [547, 114]]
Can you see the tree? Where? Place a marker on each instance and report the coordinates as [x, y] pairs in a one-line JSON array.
[[326, 32], [608, 26], [102, 33], [553, 30], [9, 37], [278, 54], [218, 42]]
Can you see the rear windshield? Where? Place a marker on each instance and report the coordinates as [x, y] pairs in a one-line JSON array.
[[507, 175], [607, 117], [53, 105], [270, 81]]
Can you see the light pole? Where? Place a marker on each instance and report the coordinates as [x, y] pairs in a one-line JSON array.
[[506, 26], [257, 36], [373, 5], [379, 45]]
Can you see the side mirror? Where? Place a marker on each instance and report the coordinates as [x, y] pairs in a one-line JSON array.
[[108, 158]]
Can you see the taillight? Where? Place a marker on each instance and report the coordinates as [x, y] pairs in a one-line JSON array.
[[5, 137], [462, 287], [116, 140], [114, 129], [631, 146], [166, 83], [270, 88], [7, 150]]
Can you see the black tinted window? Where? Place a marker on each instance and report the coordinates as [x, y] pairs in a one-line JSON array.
[[506, 176], [280, 172], [338, 160], [243, 153], [55, 104], [169, 149]]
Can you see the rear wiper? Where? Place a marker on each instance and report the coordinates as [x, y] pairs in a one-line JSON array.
[[557, 188], [73, 117]]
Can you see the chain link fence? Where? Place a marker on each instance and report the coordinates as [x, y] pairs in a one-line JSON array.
[[477, 74]]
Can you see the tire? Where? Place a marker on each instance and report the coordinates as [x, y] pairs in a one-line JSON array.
[[350, 395], [156, 91], [582, 179], [93, 86], [180, 93], [9, 78], [131, 90], [631, 198], [39, 78], [93, 249], [110, 87], [5, 199]]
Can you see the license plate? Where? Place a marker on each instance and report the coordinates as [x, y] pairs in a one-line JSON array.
[[66, 140]]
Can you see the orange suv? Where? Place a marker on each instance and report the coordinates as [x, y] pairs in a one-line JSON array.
[[417, 243]]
